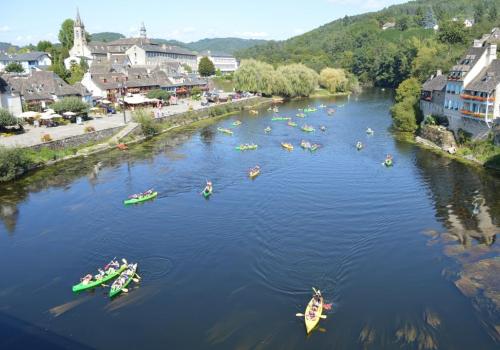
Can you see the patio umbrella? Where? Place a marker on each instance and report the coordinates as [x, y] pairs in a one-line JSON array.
[[46, 116], [29, 114], [49, 111], [69, 114], [106, 102]]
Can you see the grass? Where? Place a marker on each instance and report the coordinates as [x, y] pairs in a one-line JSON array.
[[325, 93]]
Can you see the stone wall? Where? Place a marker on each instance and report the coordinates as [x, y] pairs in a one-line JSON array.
[[439, 136], [78, 140], [476, 127]]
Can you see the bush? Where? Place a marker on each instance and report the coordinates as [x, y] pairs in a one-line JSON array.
[[333, 79], [404, 116], [7, 118], [70, 104], [429, 120], [147, 122], [88, 129], [14, 67], [206, 67], [408, 88], [463, 137], [13, 163], [159, 94], [46, 138]]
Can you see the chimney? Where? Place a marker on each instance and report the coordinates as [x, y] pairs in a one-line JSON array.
[[477, 43], [439, 72]]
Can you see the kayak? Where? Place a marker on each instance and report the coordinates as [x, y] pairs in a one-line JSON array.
[[287, 146], [254, 172], [225, 131], [359, 146], [369, 131], [123, 281], [309, 110], [300, 115], [305, 144], [314, 147], [322, 106], [322, 128], [246, 147], [268, 129], [276, 119], [292, 124], [236, 123], [140, 199], [313, 315], [388, 162], [95, 283], [206, 193], [330, 111], [307, 128]]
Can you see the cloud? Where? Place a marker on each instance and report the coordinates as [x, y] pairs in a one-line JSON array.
[[4, 29], [252, 34]]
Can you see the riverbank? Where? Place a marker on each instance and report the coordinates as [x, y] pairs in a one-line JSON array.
[[16, 162], [318, 93], [442, 141]]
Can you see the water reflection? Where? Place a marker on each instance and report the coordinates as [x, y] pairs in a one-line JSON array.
[[468, 203]]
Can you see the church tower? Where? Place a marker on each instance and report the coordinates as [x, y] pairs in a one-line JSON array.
[[79, 39], [143, 31]]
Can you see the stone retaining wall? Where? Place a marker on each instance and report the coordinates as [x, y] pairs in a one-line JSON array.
[[439, 136], [78, 140], [476, 127]]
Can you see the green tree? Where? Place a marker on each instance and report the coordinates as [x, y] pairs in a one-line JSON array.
[[452, 32], [159, 94], [300, 80], [7, 118], [334, 80], [44, 45], [60, 70], [14, 67], [76, 73], [66, 33], [206, 67], [427, 61], [410, 88], [147, 122], [13, 163], [478, 12], [493, 12], [404, 116], [84, 65], [403, 23], [187, 68], [70, 104]]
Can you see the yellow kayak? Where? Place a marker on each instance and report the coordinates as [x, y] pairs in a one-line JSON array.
[[287, 146], [313, 314]]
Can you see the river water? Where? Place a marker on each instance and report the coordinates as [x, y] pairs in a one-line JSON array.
[[407, 255]]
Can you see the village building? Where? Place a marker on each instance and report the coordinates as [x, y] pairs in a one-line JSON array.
[[226, 63], [40, 88], [10, 100], [140, 51], [388, 25], [432, 97], [29, 60]]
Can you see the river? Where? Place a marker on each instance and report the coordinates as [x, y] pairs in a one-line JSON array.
[[407, 255]]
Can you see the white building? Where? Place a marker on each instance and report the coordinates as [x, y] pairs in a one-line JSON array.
[[29, 60], [154, 54], [226, 63], [10, 100], [468, 23]]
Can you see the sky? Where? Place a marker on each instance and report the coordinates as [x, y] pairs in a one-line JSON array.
[[23, 21]]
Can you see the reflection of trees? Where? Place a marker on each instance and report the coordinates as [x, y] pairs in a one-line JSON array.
[[207, 136], [64, 174], [467, 199]]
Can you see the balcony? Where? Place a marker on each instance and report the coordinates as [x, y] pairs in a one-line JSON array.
[[477, 98], [475, 114]]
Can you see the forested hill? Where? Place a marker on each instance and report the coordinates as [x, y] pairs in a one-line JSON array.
[[227, 45], [386, 57]]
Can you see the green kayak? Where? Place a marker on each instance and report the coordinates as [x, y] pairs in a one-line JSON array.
[[277, 119], [307, 128], [388, 162], [309, 110], [314, 147], [110, 274], [207, 193], [246, 147], [225, 131], [140, 198], [123, 281]]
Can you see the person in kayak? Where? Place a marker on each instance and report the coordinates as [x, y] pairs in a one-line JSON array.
[[208, 187], [86, 279]]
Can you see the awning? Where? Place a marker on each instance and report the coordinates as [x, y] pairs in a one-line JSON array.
[[139, 99], [29, 114]]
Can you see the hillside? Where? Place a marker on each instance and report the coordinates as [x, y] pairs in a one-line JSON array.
[[382, 57], [6, 46], [106, 36], [228, 45]]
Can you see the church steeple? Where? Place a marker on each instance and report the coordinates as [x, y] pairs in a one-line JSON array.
[[143, 31], [78, 21]]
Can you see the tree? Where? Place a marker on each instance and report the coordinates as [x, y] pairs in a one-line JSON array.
[[14, 67], [425, 63], [7, 118], [300, 80], [66, 33], [206, 67], [410, 88], [60, 70], [403, 23], [187, 68], [159, 94], [478, 12], [493, 12], [44, 45], [334, 80], [84, 65], [76, 73], [404, 116], [70, 104], [453, 33]]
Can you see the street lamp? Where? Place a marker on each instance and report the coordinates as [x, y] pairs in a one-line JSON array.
[[122, 88]]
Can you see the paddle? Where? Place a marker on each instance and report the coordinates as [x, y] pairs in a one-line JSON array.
[[302, 315], [124, 261], [137, 275], [135, 280], [124, 290]]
